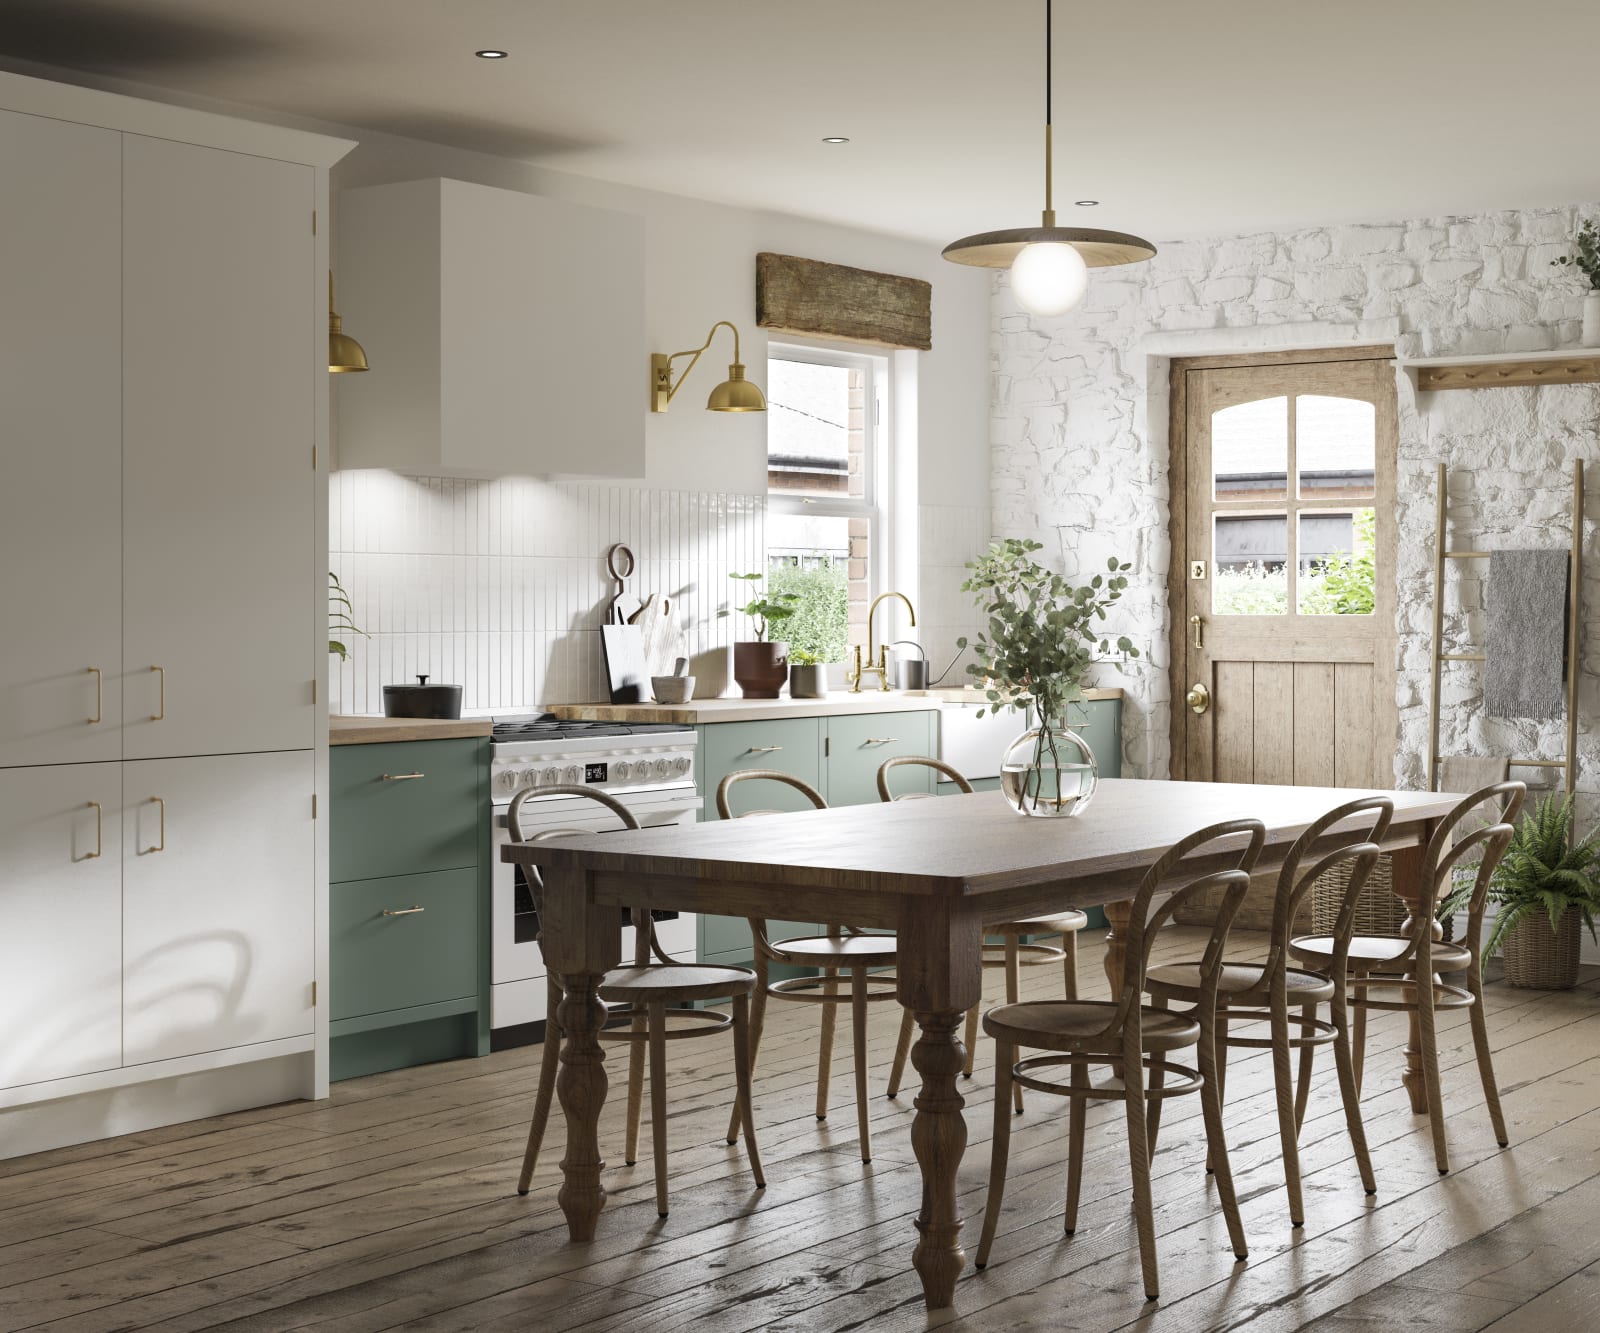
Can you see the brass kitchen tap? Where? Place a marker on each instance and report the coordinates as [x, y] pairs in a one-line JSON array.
[[880, 668]]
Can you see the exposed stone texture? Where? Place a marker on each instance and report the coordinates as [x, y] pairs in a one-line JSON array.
[[1080, 432]]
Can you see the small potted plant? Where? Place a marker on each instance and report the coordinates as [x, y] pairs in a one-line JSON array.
[[1587, 261], [808, 677], [1544, 891], [761, 666], [1040, 641]]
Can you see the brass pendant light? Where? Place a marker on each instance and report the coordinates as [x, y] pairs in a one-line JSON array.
[[1048, 279], [345, 354]]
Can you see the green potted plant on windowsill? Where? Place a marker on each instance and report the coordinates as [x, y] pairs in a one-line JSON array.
[[1544, 891], [761, 665], [1035, 654], [808, 675]]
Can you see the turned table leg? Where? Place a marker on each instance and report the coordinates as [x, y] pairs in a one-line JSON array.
[[939, 1137], [581, 1086], [1411, 885], [1118, 917]]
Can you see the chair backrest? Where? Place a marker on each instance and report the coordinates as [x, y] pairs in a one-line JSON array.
[[1373, 814], [919, 761], [763, 775], [1188, 857], [1484, 845], [644, 933]]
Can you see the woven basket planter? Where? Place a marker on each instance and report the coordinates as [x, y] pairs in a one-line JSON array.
[[1378, 911], [1539, 958]]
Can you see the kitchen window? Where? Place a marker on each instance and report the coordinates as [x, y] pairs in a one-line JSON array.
[[826, 415]]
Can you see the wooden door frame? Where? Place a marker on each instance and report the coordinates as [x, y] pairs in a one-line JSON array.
[[1178, 669]]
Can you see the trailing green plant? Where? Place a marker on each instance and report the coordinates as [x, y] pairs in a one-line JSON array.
[[820, 623], [768, 610], [1042, 632], [340, 618], [1544, 871], [1587, 258]]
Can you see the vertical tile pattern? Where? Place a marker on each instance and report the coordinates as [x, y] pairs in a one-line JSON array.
[[947, 537], [501, 586]]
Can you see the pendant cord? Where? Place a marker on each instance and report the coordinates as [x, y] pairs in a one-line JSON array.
[[1049, 182]]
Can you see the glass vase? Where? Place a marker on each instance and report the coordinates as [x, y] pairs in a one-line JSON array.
[[1049, 771]]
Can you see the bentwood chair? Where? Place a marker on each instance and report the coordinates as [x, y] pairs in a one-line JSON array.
[[1254, 993], [1131, 1039], [840, 949], [1013, 953], [650, 993], [1407, 965]]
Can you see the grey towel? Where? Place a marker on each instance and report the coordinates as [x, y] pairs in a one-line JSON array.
[[1527, 625]]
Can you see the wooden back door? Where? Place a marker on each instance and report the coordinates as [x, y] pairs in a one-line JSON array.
[[1283, 518]]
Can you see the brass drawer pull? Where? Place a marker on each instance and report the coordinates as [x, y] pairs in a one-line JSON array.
[[161, 833], [764, 749], [99, 697], [161, 704], [99, 841], [402, 911], [880, 740], [402, 777]]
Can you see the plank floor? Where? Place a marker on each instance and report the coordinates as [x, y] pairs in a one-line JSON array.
[[392, 1204]]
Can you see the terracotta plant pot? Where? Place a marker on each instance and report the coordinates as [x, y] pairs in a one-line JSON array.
[[1538, 958], [760, 669]]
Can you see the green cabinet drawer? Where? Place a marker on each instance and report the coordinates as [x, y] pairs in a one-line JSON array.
[[399, 961], [384, 822], [858, 744], [791, 745]]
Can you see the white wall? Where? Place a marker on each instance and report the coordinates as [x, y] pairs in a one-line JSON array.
[[1080, 423]]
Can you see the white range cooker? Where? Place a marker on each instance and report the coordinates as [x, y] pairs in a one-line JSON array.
[[648, 766]]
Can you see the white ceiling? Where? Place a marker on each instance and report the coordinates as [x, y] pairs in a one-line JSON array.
[[1183, 118]]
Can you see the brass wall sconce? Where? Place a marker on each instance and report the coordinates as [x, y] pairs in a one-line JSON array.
[[345, 354], [734, 394]]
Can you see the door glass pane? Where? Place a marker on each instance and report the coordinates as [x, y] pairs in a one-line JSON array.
[[1250, 554], [1337, 574], [1335, 447], [1250, 450]]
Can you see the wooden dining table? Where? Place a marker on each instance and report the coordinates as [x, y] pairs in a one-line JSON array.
[[932, 871]]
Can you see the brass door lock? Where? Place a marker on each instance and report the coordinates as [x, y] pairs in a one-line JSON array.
[[1198, 698]]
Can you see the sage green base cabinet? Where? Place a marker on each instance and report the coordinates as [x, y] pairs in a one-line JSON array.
[[839, 756], [409, 904]]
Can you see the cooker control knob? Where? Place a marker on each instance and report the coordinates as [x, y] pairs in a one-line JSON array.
[[572, 774], [508, 780], [681, 764], [620, 771], [549, 776], [661, 768]]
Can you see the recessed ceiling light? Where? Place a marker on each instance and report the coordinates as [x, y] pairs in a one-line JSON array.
[[491, 54], [834, 138], [1087, 203]]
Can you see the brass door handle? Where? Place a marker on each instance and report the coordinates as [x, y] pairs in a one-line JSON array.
[[161, 830], [1197, 625], [402, 911], [99, 696], [402, 777], [1198, 698], [161, 703], [764, 749], [99, 830]]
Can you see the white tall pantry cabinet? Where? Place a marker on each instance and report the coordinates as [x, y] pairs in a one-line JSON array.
[[163, 557]]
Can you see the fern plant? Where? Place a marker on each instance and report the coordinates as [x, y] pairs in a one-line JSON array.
[[1543, 871]]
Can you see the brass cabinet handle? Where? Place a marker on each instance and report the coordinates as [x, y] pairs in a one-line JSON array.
[[1198, 698], [880, 740], [402, 777], [402, 911], [99, 696], [161, 706], [1196, 624], [161, 834], [764, 749], [99, 842]]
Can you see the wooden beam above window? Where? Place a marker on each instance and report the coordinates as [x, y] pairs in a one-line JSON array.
[[822, 300]]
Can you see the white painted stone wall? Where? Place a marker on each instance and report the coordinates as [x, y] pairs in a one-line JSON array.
[[1080, 431]]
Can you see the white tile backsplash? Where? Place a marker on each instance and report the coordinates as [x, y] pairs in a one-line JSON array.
[[501, 586]]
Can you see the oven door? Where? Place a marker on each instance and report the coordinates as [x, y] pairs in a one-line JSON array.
[[517, 993]]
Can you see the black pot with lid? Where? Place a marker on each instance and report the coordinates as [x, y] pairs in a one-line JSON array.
[[422, 700]]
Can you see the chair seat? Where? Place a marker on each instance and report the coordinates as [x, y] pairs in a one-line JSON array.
[[1052, 923], [1382, 953], [680, 981], [1181, 981], [1066, 1025], [840, 951]]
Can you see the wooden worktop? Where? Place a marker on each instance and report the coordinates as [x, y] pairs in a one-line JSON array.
[[698, 712], [380, 730]]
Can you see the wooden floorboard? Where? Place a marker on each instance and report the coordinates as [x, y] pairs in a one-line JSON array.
[[391, 1204]]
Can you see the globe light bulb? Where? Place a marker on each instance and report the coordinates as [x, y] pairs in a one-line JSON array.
[[1049, 278]]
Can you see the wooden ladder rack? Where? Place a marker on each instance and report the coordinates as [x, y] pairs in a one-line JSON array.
[[1569, 761]]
